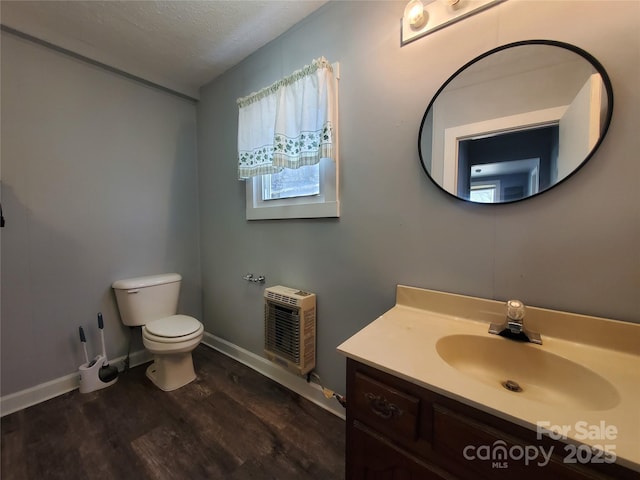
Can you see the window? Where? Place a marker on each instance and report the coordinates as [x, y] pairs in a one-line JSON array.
[[485, 193], [293, 195], [288, 145], [292, 183]]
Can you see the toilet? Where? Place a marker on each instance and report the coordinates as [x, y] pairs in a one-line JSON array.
[[151, 303]]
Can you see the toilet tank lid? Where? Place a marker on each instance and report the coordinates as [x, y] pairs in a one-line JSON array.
[[148, 281]]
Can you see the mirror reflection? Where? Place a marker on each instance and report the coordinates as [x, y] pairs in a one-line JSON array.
[[515, 121]]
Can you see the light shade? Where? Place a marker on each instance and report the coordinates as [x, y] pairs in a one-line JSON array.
[[415, 14]]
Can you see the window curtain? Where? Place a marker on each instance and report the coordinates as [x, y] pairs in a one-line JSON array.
[[288, 124]]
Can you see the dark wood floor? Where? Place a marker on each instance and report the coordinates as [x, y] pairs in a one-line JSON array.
[[231, 423]]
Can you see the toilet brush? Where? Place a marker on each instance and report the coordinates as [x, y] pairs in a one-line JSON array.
[[83, 339], [107, 372]]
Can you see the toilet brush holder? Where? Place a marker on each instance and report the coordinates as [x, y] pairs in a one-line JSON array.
[[94, 375]]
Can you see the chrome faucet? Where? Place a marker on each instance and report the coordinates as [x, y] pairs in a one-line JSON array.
[[513, 326]]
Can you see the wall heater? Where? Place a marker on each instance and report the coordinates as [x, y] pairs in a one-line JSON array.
[[290, 328]]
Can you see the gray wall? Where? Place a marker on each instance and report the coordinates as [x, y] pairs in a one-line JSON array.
[[574, 248], [99, 182]]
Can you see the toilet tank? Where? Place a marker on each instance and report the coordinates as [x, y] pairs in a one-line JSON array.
[[143, 299]]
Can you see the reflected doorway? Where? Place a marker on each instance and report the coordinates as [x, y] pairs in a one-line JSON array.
[[508, 166]]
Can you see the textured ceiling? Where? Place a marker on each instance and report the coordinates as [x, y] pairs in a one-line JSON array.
[[180, 45]]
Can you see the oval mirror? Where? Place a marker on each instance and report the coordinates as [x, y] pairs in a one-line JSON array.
[[515, 122]]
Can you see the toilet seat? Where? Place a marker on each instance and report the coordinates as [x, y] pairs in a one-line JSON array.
[[173, 329]]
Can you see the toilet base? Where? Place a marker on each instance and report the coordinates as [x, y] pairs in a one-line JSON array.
[[170, 372]]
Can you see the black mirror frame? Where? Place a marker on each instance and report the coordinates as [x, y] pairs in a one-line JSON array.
[[587, 56]]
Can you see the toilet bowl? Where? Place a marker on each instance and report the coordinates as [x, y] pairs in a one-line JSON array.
[[151, 302], [171, 340]]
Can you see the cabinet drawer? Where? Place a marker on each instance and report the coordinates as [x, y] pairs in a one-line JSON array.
[[385, 408]]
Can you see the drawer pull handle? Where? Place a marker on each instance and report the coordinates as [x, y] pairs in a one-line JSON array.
[[382, 407]]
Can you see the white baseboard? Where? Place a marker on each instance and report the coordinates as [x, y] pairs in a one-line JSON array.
[[45, 391], [39, 393], [310, 391]]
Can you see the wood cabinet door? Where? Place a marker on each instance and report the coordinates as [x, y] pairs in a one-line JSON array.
[[373, 458]]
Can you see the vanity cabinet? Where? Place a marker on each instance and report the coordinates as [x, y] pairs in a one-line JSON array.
[[397, 430]]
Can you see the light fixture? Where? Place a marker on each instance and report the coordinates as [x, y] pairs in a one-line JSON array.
[[415, 14], [420, 19]]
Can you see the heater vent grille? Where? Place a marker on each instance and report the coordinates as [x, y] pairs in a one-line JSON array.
[[290, 328]]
